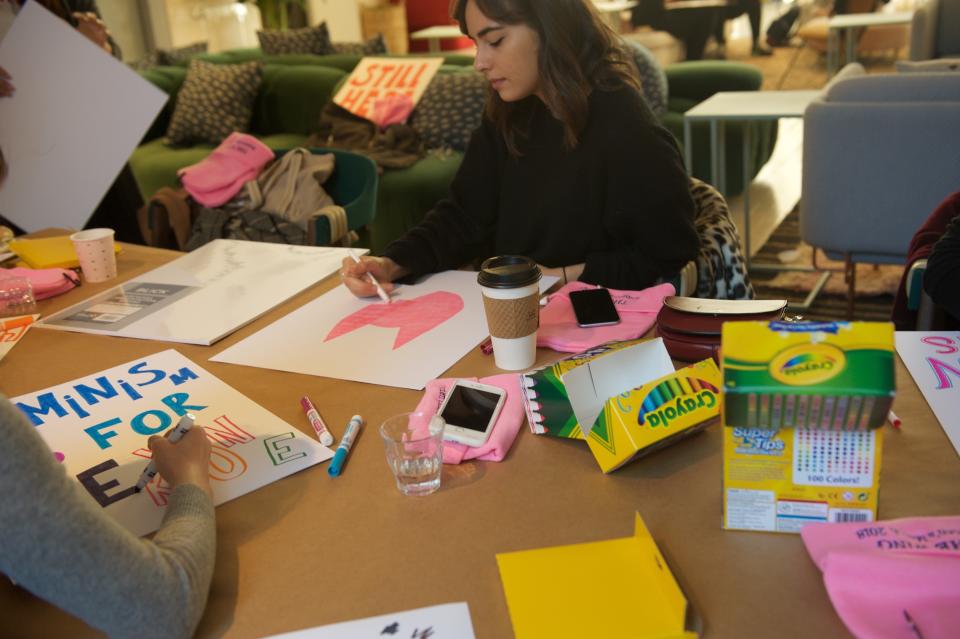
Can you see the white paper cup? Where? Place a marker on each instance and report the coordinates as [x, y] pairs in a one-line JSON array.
[[511, 294], [94, 248]]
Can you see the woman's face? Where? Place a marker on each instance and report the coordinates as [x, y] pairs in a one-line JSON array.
[[506, 55]]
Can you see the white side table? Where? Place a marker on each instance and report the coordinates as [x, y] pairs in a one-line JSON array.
[[433, 35], [740, 106], [850, 22]]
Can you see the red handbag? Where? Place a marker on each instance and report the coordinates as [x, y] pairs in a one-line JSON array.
[[690, 326]]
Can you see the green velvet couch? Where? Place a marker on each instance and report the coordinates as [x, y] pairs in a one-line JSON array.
[[286, 111], [296, 87], [293, 92]]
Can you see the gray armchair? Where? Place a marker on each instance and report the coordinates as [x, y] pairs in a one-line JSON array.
[[879, 153], [935, 31]]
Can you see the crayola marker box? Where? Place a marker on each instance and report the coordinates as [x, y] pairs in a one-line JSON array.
[[655, 415], [802, 403]]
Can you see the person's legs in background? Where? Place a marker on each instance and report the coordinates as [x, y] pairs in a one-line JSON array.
[[735, 10], [752, 8]]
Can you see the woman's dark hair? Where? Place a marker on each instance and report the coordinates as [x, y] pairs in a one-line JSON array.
[[579, 52]]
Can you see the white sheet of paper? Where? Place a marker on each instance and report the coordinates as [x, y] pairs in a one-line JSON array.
[[933, 359], [204, 295], [590, 385], [108, 416], [74, 119], [425, 329], [447, 621]]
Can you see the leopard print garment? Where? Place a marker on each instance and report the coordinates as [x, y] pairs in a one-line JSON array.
[[721, 270]]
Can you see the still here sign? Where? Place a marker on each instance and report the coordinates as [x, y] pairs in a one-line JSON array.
[[375, 78]]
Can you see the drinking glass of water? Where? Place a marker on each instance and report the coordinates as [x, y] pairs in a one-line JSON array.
[[16, 296], [414, 444]]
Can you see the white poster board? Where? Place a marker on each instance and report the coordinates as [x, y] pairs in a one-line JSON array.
[[425, 329], [933, 359], [204, 295], [98, 427], [447, 621], [375, 78], [75, 118]]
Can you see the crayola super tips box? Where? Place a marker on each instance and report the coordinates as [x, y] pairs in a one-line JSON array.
[[802, 403]]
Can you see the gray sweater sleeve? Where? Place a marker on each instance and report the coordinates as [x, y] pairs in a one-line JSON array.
[[59, 544]]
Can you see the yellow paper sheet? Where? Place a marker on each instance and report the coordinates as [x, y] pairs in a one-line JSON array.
[[618, 588], [48, 252]]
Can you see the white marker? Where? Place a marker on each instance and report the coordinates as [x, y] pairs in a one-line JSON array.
[[185, 424], [382, 293]]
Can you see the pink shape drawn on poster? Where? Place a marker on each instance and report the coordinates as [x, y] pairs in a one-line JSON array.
[[413, 317]]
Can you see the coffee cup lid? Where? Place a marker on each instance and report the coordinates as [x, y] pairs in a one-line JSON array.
[[508, 271]]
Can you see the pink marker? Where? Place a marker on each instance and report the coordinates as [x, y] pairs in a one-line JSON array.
[[323, 433]]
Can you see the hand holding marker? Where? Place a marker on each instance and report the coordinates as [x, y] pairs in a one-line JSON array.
[[181, 429], [382, 293]]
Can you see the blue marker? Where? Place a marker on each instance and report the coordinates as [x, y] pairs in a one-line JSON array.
[[353, 429]]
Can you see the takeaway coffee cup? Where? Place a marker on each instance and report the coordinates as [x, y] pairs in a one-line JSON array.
[[511, 297]]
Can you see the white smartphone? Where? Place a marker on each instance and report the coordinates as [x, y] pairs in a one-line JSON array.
[[470, 410]]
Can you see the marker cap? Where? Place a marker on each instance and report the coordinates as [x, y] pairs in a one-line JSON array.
[[337, 464]]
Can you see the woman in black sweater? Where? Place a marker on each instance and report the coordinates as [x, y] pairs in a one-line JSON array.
[[569, 168]]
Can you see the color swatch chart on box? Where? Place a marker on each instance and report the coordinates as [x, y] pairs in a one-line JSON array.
[[833, 458]]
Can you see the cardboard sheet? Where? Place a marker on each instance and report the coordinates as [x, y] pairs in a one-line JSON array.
[[98, 426], [377, 77], [74, 119]]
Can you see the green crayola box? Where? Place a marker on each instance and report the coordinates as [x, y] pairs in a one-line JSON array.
[[801, 406], [655, 415], [546, 401], [629, 396]]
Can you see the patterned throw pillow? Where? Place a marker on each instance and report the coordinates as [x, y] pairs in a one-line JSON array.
[[168, 57], [315, 40], [373, 46], [450, 110], [214, 101], [174, 56]]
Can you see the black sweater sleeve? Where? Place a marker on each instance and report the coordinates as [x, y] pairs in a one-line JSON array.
[[461, 227], [941, 280]]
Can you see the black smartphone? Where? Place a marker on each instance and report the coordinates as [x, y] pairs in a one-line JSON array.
[[594, 307]]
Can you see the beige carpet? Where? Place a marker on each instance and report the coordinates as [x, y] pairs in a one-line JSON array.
[[871, 280]]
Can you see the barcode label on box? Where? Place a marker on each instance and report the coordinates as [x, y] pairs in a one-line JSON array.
[[843, 515]]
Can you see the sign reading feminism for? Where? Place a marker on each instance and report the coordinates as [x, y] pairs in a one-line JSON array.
[[376, 78], [98, 427]]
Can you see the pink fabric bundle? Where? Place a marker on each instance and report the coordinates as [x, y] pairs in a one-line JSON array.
[[897, 578], [504, 431], [218, 177], [638, 312], [393, 109]]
